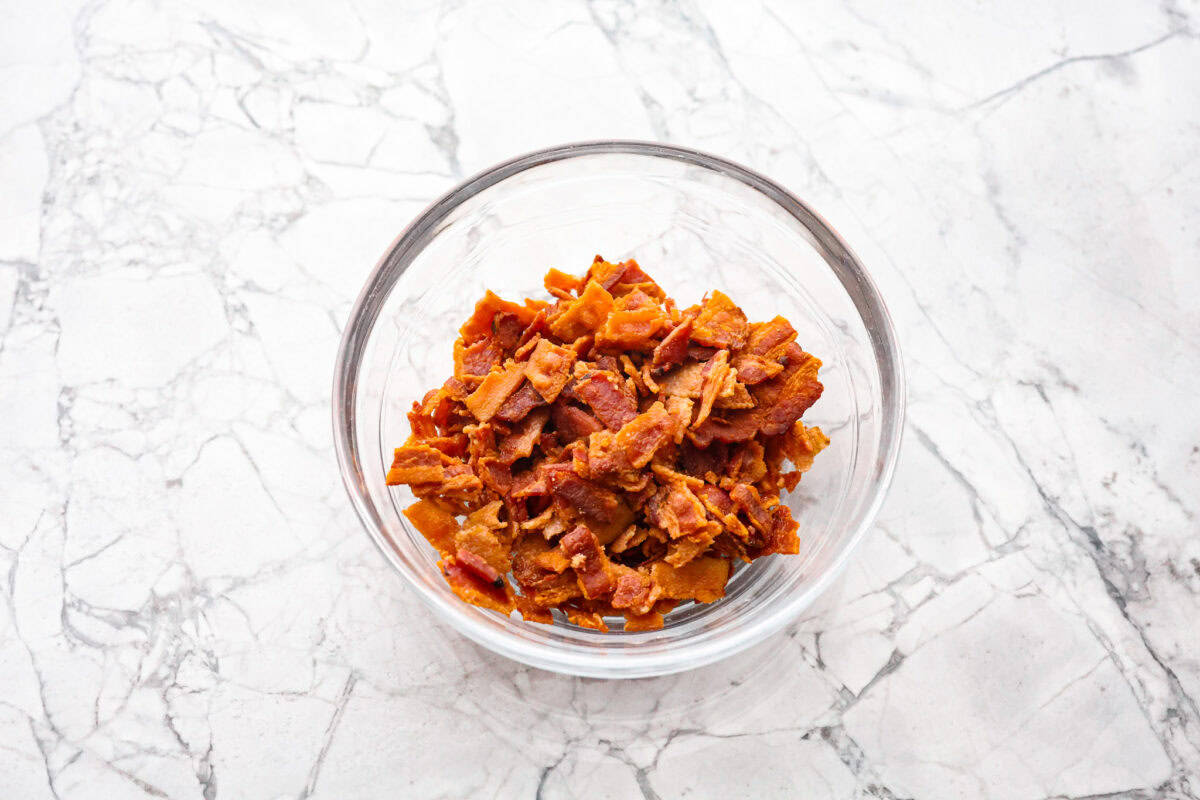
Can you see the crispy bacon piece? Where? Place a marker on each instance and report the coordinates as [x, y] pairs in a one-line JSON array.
[[549, 369], [560, 284], [520, 403], [612, 452], [480, 323], [720, 324], [673, 348], [715, 374], [435, 523], [524, 436], [641, 437], [632, 324], [609, 397], [585, 497], [417, 463], [484, 402], [701, 579], [583, 315], [474, 590], [591, 565]]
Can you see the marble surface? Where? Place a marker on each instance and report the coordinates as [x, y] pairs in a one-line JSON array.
[[191, 195]]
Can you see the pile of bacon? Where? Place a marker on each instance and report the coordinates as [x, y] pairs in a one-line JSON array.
[[611, 452]]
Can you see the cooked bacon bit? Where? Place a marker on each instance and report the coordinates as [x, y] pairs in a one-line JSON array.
[[454, 446], [673, 348], [553, 560], [682, 550], [676, 510], [475, 591], [632, 537], [720, 324], [574, 423], [481, 569], [507, 328], [641, 437], [701, 579], [715, 374], [609, 425], [589, 499], [782, 537], [480, 323], [754, 369], [632, 590], [801, 445], [501, 382], [531, 611], [591, 565], [586, 619], [769, 338], [495, 474], [560, 284], [519, 404], [604, 273], [477, 360], [435, 523], [524, 436], [417, 463], [740, 396], [549, 369], [633, 323], [584, 315], [644, 622], [687, 381], [609, 398], [747, 499]]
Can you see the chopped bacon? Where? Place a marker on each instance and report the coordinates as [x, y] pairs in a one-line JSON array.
[[560, 284], [480, 323], [481, 569], [632, 324], [609, 397], [549, 369], [632, 590], [520, 403], [417, 463], [478, 359], [754, 369], [747, 499], [583, 315], [720, 324], [435, 523], [686, 381], [574, 423], [591, 565], [501, 382], [587, 498], [673, 348], [641, 437], [495, 474], [507, 328], [524, 436], [702, 579], [612, 453], [652, 621], [474, 590], [715, 374]]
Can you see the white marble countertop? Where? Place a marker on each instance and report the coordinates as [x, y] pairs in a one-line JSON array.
[[191, 195]]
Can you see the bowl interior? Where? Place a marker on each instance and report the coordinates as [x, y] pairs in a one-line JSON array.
[[693, 227]]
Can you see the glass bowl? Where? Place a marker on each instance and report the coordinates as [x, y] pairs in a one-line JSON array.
[[694, 222]]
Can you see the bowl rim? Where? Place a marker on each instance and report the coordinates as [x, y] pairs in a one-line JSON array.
[[624, 664]]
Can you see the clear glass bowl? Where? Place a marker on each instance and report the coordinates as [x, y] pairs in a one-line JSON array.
[[694, 222]]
